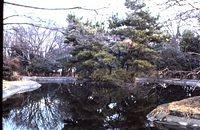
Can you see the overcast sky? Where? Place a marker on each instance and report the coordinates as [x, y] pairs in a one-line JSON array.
[[113, 7]]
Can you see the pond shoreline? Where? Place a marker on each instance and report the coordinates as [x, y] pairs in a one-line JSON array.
[[32, 83], [49, 79], [27, 83], [182, 82]]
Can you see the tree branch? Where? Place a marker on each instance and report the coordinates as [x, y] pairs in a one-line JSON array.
[[10, 17], [31, 24], [41, 8]]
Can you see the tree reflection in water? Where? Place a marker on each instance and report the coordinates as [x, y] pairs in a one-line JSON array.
[[88, 105], [38, 110]]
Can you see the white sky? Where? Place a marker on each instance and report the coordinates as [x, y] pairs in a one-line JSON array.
[[114, 6], [60, 16]]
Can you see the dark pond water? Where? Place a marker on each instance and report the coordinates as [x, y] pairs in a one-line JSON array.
[[89, 106]]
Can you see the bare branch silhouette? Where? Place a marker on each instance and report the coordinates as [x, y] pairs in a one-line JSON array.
[[40, 26], [41, 8], [10, 16]]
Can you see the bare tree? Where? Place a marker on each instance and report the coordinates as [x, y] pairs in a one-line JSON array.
[[34, 39], [187, 11], [31, 43]]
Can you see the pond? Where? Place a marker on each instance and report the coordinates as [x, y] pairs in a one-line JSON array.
[[88, 106]]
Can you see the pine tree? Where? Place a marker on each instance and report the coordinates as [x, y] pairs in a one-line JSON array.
[[89, 51], [142, 29]]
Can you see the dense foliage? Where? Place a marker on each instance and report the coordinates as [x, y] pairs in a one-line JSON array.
[[89, 53], [190, 42], [95, 56]]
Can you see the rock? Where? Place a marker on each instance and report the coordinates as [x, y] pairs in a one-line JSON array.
[[185, 112], [13, 87]]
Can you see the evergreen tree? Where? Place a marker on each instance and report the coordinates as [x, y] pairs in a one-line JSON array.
[[142, 29], [190, 42], [89, 52]]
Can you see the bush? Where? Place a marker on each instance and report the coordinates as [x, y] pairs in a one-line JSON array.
[[174, 60], [142, 67], [117, 76]]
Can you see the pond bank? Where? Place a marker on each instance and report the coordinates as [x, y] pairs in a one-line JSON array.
[[182, 82], [13, 87], [185, 112], [50, 79], [30, 83]]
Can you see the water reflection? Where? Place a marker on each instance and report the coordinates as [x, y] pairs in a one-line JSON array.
[[87, 106]]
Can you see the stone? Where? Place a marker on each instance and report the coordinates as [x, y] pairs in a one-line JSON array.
[[185, 112], [11, 88]]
